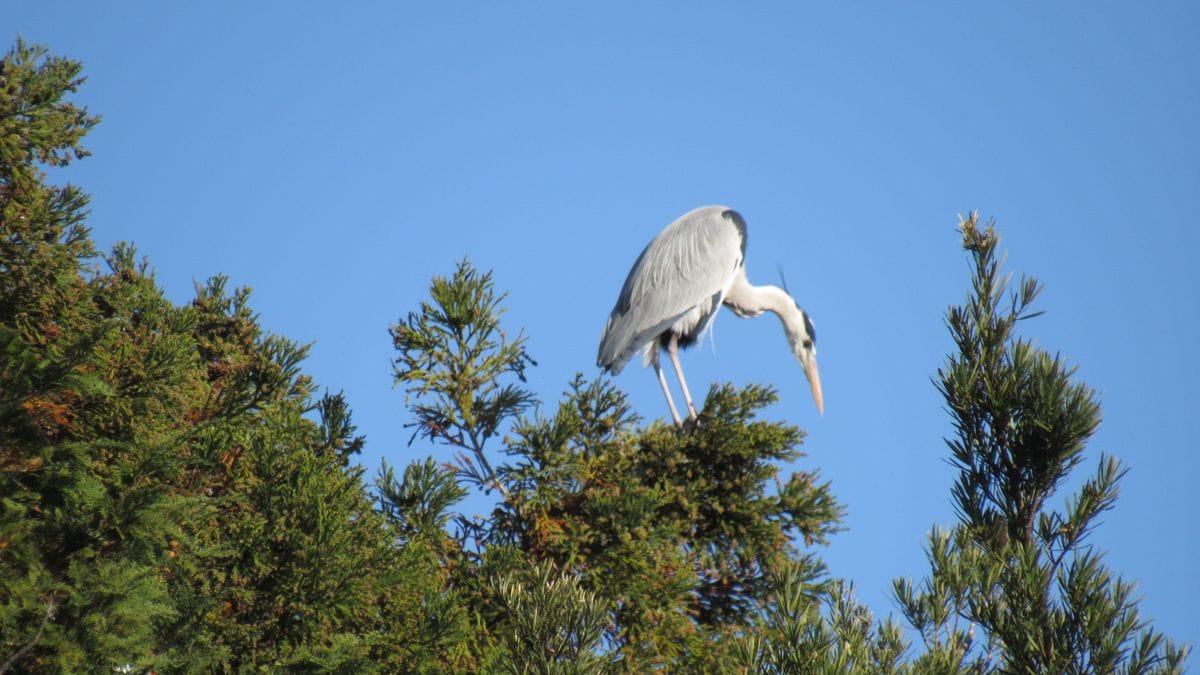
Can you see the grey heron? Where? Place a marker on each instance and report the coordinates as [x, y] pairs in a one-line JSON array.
[[673, 292]]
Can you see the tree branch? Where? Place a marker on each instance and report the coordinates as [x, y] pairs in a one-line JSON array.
[[51, 605]]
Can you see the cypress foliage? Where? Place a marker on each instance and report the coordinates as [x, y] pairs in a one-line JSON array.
[[166, 500], [82, 514]]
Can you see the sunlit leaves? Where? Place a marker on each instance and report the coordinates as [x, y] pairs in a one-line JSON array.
[[421, 501], [453, 360], [551, 623]]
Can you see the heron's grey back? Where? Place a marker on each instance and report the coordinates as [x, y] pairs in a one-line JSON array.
[[689, 265]]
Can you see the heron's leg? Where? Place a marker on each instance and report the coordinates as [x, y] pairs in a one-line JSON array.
[[673, 351], [662, 379]]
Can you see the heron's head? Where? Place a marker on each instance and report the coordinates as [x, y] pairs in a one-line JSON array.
[[803, 339]]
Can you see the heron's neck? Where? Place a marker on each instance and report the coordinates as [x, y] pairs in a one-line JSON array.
[[748, 300]]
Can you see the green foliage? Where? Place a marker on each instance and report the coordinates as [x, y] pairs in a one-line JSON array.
[[451, 357], [82, 503], [283, 572], [1014, 586], [166, 502], [431, 612], [420, 503], [691, 513], [42, 236], [552, 624], [813, 625]]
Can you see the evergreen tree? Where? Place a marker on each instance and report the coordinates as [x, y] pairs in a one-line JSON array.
[[813, 624], [166, 500], [553, 625], [82, 518], [285, 562], [1015, 587], [431, 614]]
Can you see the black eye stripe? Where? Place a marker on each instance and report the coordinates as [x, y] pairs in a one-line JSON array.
[[808, 326]]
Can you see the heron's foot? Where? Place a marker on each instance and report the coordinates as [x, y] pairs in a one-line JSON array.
[[690, 424]]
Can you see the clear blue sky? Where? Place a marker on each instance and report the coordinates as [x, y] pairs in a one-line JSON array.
[[333, 159]]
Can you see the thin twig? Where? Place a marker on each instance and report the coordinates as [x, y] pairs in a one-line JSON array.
[[51, 605]]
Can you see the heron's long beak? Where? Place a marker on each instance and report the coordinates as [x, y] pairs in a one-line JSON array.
[[814, 381]]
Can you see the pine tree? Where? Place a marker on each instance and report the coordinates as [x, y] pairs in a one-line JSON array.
[[1015, 586]]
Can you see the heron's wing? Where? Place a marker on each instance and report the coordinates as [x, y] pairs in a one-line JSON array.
[[689, 265]]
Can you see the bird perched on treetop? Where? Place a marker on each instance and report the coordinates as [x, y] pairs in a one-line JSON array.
[[675, 288]]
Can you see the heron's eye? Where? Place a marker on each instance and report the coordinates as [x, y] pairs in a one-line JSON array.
[[808, 344]]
